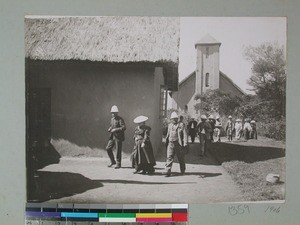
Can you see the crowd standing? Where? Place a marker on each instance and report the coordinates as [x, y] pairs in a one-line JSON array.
[[208, 131]]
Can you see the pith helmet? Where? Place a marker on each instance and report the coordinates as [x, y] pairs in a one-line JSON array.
[[203, 117], [230, 117], [252, 121], [174, 115], [140, 119], [114, 109], [211, 117], [217, 117], [238, 120]]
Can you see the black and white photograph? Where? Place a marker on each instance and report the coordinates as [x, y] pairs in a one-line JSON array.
[[124, 109]]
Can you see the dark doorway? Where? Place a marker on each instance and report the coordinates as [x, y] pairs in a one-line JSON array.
[[39, 117], [38, 134]]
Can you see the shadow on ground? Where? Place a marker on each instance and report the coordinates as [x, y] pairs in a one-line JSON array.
[[192, 156], [224, 152], [201, 175], [54, 185]]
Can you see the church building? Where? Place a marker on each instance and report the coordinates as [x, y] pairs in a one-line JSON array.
[[206, 76]]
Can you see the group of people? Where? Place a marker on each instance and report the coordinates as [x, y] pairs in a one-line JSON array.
[[246, 129], [214, 127], [143, 160], [142, 157]]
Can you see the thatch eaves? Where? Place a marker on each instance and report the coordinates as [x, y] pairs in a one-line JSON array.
[[109, 39], [105, 39]]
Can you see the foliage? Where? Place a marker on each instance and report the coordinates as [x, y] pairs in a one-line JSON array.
[[269, 76], [275, 129], [213, 101]]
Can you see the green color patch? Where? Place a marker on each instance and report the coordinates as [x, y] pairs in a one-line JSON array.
[[116, 215]]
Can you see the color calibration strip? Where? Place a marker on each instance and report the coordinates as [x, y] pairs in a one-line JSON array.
[[39, 213]]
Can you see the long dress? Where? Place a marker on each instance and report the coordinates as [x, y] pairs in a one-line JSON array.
[[143, 158], [238, 130]]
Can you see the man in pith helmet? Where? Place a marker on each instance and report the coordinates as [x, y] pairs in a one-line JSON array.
[[204, 131], [177, 144], [117, 136], [229, 128]]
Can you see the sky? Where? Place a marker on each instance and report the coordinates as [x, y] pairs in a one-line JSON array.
[[235, 34]]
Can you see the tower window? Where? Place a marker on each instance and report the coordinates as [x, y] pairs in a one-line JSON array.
[[207, 80], [207, 52]]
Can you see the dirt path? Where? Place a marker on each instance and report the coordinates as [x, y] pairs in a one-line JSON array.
[[90, 180]]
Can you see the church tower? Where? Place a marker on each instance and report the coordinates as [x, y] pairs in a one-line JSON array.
[[208, 64]]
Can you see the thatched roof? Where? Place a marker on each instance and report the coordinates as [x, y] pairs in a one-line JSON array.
[[105, 39]]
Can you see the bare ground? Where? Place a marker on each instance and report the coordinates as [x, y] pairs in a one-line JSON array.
[[90, 180]]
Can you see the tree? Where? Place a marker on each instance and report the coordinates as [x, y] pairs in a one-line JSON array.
[[269, 76], [216, 101]]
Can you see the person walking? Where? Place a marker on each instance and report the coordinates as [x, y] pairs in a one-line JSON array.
[[229, 128], [238, 129], [143, 156], [253, 132], [212, 122], [192, 129], [218, 126], [117, 136], [177, 144], [204, 132], [247, 129]]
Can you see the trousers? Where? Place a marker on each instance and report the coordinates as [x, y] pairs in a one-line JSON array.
[[109, 148], [203, 144], [174, 148]]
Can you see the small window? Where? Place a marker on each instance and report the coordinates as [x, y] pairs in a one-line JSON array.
[[163, 102], [207, 52], [207, 80], [186, 107]]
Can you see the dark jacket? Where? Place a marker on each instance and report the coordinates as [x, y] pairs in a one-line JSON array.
[[207, 128], [190, 125], [212, 124], [118, 124]]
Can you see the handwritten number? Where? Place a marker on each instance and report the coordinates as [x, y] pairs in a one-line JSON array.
[[272, 209], [239, 209]]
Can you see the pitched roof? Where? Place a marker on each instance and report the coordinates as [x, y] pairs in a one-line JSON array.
[[231, 81], [192, 75], [207, 40], [105, 39]]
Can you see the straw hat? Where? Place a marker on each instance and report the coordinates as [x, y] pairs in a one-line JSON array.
[[238, 120], [211, 117], [114, 109], [140, 119]]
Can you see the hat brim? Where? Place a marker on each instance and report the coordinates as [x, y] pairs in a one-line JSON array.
[[140, 119]]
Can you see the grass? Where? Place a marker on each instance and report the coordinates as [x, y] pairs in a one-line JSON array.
[[250, 162], [251, 178]]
